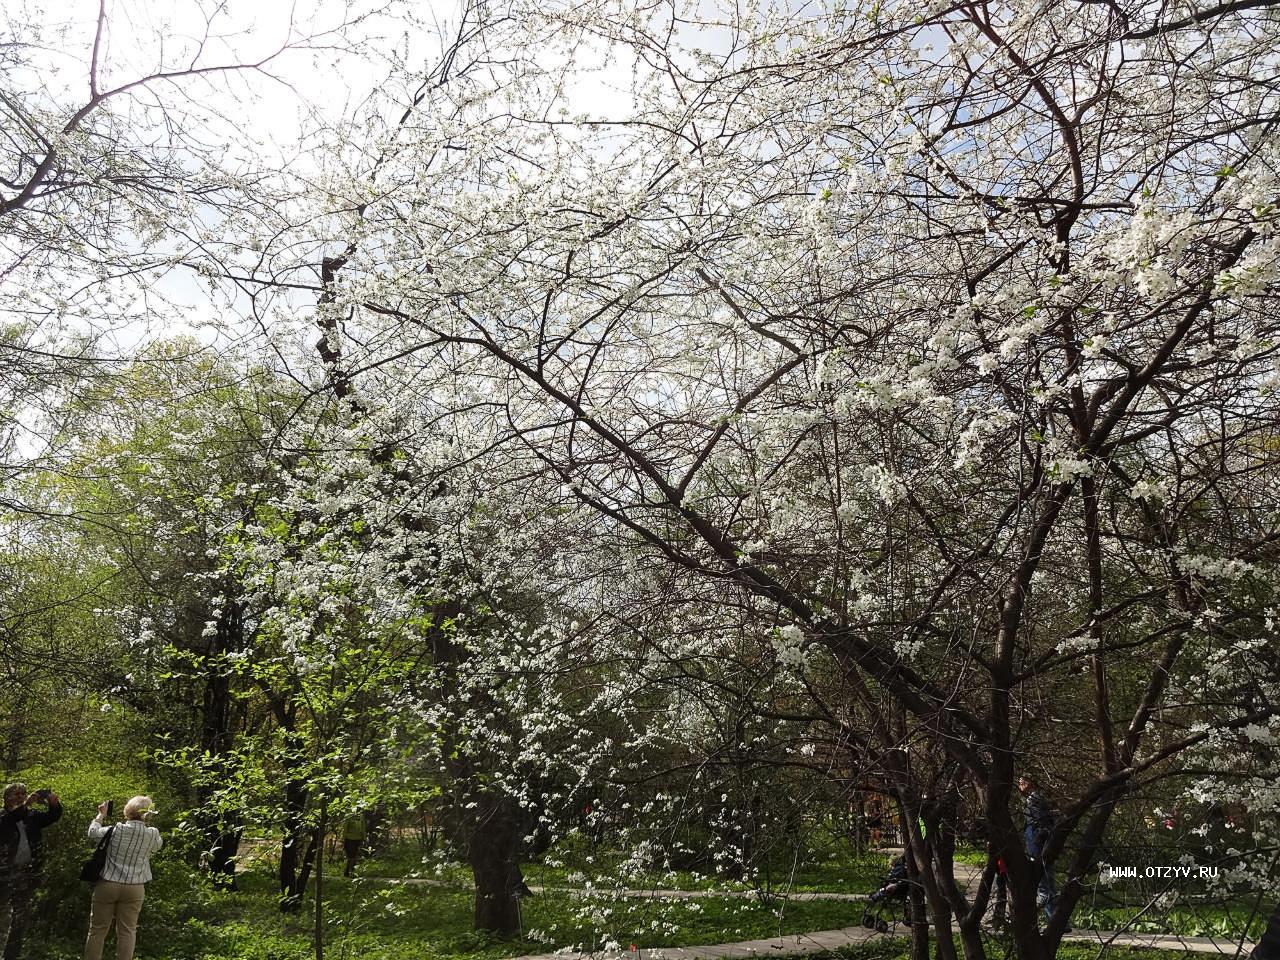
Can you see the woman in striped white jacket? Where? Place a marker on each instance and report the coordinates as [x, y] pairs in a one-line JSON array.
[[118, 895]]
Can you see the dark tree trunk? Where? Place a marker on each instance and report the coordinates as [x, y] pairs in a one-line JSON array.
[[222, 857], [292, 895], [489, 825], [1024, 879], [294, 866], [222, 838], [921, 868], [321, 830], [1268, 947], [492, 852], [916, 915]]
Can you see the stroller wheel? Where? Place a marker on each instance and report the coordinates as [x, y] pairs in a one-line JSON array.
[[868, 922], [882, 927]]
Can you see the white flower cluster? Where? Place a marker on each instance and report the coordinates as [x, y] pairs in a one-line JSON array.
[[1079, 644], [1226, 569], [885, 484], [972, 444], [1068, 468], [789, 644], [1155, 491]]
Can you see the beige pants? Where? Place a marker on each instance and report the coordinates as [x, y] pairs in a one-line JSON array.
[[121, 902]]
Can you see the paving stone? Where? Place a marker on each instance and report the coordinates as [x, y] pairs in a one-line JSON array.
[[818, 941]]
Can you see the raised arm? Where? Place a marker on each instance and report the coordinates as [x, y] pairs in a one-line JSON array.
[[98, 825]]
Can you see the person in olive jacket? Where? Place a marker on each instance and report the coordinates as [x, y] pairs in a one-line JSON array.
[[21, 859]]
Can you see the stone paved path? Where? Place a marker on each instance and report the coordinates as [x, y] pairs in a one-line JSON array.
[[653, 894], [795, 945], [642, 893], [806, 943]]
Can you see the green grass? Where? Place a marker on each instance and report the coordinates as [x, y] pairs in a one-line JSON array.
[[391, 923], [371, 920], [970, 854], [844, 874], [603, 867], [430, 918], [1221, 920]]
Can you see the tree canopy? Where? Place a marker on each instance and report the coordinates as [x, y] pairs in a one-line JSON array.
[[652, 410]]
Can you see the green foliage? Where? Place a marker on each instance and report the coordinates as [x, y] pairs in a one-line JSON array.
[[967, 853], [64, 898], [1227, 921], [186, 920]]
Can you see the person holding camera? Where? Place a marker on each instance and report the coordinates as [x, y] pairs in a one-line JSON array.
[[118, 895], [21, 860]]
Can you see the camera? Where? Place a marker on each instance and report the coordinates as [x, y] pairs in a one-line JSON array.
[[110, 806]]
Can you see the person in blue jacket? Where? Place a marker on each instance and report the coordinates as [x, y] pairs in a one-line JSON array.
[[896, 886], [1039, 826]]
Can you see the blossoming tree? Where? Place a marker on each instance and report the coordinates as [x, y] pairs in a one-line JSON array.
[[938, 341]]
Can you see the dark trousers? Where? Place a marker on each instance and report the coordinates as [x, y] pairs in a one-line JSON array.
[[1002, 897], [351, 848], [16, 900]]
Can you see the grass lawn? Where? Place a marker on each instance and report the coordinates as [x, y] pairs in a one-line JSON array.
[[428, 915], [372, 920], [606, 868], [1184, 919]]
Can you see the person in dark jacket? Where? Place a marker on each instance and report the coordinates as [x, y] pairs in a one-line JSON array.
[[1268, 947], [21, 859], [896, 886], [1036, 833]]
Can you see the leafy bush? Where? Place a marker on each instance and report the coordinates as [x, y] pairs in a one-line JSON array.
[[62, 909]]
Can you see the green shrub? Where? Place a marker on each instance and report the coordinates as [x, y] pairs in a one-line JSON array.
[[62, 908]]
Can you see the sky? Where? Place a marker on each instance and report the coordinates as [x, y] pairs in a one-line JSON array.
[[325, 54], [328, 58], [325, 59]]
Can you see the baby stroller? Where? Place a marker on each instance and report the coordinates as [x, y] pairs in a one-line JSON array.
[[892, 901]]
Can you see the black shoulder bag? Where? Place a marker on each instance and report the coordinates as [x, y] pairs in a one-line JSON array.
[[91, 872]]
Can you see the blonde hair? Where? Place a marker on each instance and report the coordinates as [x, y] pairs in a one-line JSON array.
[[137, 808]]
